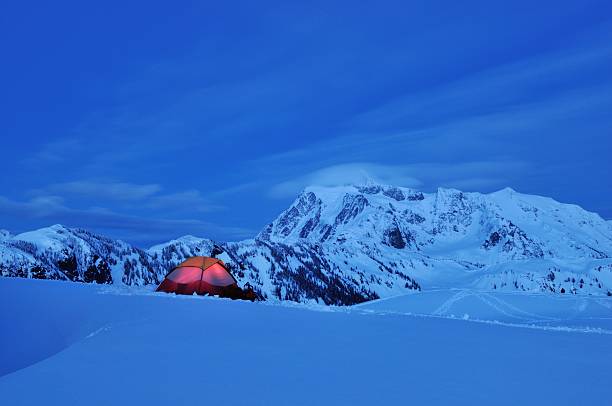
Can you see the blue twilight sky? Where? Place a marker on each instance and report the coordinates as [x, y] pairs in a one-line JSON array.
[[146, 121]]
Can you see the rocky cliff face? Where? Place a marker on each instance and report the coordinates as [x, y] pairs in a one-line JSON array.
[[349, 244]]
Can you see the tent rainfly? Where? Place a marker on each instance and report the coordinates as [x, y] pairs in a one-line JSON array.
[[203, 276]]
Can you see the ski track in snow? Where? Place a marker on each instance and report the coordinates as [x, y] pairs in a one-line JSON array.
[[520, 318], [489, 300], [446, 306], [528, 324], [98, 331], [515, 316], [532, 321], [516, 309], [605, 303]]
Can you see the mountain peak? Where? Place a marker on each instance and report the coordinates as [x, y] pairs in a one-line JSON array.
[[186, 240], [369, 187], [43, 236], [506, 191]]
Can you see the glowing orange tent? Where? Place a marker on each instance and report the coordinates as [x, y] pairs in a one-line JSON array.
[[201, 275]]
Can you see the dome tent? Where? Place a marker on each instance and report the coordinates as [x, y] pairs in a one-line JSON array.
[[203, 276]]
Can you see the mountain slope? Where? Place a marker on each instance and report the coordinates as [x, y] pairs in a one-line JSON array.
[[504, 240], [76, 255], [349, 244]]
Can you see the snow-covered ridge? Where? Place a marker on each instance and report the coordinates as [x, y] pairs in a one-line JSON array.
[[58, 252], [348, 244]]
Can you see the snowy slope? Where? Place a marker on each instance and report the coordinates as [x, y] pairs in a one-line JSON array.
[[173, 252], [497, 227], [504, 240], [58, 252], [349, 244], [75, 344], [534, 310]]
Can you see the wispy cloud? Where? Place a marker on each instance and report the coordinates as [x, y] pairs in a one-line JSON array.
[[233, 190], [352, 173], [536, 81], [37, 207], [139, 229], [426, 176], [146, 195], [477, 113], [187, 201], [502, 126], [56, 151], [122, 191]]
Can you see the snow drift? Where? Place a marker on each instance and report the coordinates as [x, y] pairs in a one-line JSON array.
[[75, 344]]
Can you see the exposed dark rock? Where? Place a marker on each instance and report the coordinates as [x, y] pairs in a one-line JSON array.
[[394, 238], [287, 222], [493, 240], [394, 193], [415, 196], [310, 225], [415, 218], [69, 266], [353, 206], [98, 272], [370, 189]]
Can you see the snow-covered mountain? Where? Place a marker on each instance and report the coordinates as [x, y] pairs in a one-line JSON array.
[[77, 255], [348, 244], [387, 240], [170, 253]]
